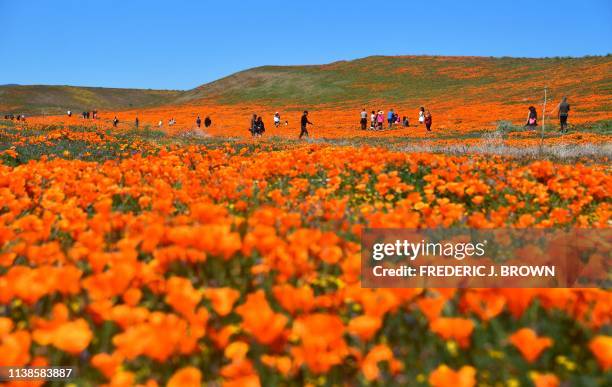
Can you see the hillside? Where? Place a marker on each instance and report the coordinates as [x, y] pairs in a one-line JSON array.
[[39, 99], [463, 91], [412, 79]]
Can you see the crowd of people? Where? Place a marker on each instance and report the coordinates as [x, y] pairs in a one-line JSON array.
[[13, 117], [392, 118], [257, 126], [85, 115], [377, 119]]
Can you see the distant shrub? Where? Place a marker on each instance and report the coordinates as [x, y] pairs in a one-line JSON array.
[[507, 127], [147, 133]]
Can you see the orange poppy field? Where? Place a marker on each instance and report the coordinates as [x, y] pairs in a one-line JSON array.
[[152, 257]]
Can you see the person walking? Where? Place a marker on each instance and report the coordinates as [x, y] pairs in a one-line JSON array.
[[390, 119], [277, 119], [207, 122], [136, 122], [380, 119], [115, 121], [373, 120], [69, 113], [259, 127], [364, 119], [532, 118], [304, 124], [160, 123], [421, 115], [198, 121], [428, 120], [562, 113]]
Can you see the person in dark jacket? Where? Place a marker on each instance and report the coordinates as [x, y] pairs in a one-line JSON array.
[[198, 121], [207, 122], [115, 121], [259, 126], [136, 122], [532, 118], [563, 112], [304, 124]]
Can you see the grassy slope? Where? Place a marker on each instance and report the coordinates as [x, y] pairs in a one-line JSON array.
[[57, 99], [410, 78], [414, 80]]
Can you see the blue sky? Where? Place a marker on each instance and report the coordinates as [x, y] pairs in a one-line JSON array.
[[182, 44]]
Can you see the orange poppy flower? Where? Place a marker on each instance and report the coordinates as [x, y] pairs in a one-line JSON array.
[[282, 363], [106, 363], [222, 299], [544, 380], [14, 346], [123, 379], [236, 351], [70, 336], [443, 376], [294, 299], [259, 319], [132, 296], [454, 328], [529, 344], [431, 307], [322, 345], [240, 373], [486, 304], [379, 353], [601, 346], [186, 377], [364, 327]]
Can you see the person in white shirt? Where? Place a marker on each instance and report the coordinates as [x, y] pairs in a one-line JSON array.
[[363, 119], [421, 115]]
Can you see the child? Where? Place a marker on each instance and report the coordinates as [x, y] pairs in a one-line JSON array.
[[428, 120]]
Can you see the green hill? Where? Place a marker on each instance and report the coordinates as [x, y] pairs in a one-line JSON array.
[[397, 79], [39, 99], [407, 78]]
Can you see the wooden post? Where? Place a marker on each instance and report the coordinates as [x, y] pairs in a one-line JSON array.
[[543, 118]]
